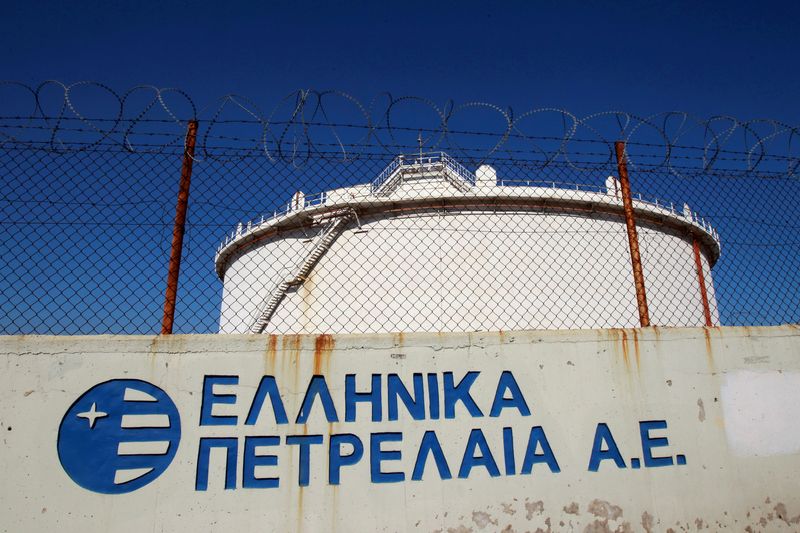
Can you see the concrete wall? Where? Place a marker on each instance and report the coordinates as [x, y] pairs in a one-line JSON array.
[[708, 416], [469, 270]]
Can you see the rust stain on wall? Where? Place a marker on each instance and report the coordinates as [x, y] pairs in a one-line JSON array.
[[307, 300], [269, 354], [709, 351], [153, 351], [536, 507], [290, 349], [636, 348], [604, 509], [625, 354], [171, 346], [290, 345], [323, 346], [334, 505], [656, 332], [647, 522], [603, 516], [300, 509], [618, 338]]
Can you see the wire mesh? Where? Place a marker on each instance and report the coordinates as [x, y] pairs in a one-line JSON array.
[[407, 219]]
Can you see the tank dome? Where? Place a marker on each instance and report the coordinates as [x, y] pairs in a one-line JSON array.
[[429, 246]]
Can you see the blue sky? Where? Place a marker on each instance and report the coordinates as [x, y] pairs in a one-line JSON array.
[[704, 57]]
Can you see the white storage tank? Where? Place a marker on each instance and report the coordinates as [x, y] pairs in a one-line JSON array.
[[429, 246]]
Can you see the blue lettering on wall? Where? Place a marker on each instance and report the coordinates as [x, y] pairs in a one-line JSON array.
[[433, 396], [477, 442], [377, 455], [267, 388], [337, 459], [210, 398], [507, 383], [351, 397], [604, 439], [396, 390], [648, 443], [538, 440], [508, 451], [231, 447], [92, 433], [430, 446], [317, 388], [252, 460], [460, 393], [305, 442]]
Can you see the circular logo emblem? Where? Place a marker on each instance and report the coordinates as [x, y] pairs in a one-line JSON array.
[[119, 436]]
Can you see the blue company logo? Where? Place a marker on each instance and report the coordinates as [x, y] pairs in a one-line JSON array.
[[119, 436]]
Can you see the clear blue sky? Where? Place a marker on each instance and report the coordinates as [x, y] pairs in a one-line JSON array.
[[730, 58], [737, 58]]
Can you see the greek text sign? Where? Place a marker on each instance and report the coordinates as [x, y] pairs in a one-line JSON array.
[[618, 429]]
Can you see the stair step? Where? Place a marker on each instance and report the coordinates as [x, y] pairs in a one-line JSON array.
[[326, 238]]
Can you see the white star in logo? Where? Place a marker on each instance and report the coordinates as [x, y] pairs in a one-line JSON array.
[[92, 415]]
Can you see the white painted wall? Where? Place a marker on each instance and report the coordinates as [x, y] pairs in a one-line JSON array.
[[726, 395]]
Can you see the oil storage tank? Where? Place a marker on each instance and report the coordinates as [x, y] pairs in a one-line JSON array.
[[429, 246]]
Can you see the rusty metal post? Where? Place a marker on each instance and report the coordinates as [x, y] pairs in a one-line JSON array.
[[178, 230], [633, 237], [701, 280]]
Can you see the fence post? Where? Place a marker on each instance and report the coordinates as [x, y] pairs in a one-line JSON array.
[[178, 230], [701, 280], [633, 237]]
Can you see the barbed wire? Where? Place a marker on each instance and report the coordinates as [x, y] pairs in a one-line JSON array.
[[91, 176], [305, 122]]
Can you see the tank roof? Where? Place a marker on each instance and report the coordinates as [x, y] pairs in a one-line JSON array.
[[435, 180]]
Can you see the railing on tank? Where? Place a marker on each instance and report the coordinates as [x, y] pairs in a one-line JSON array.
[[311, 200], [442, 159], [649, 200], [458, 168], [388, 171], [423, 161]]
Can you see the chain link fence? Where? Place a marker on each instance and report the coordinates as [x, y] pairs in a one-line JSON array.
[[327, 215]]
